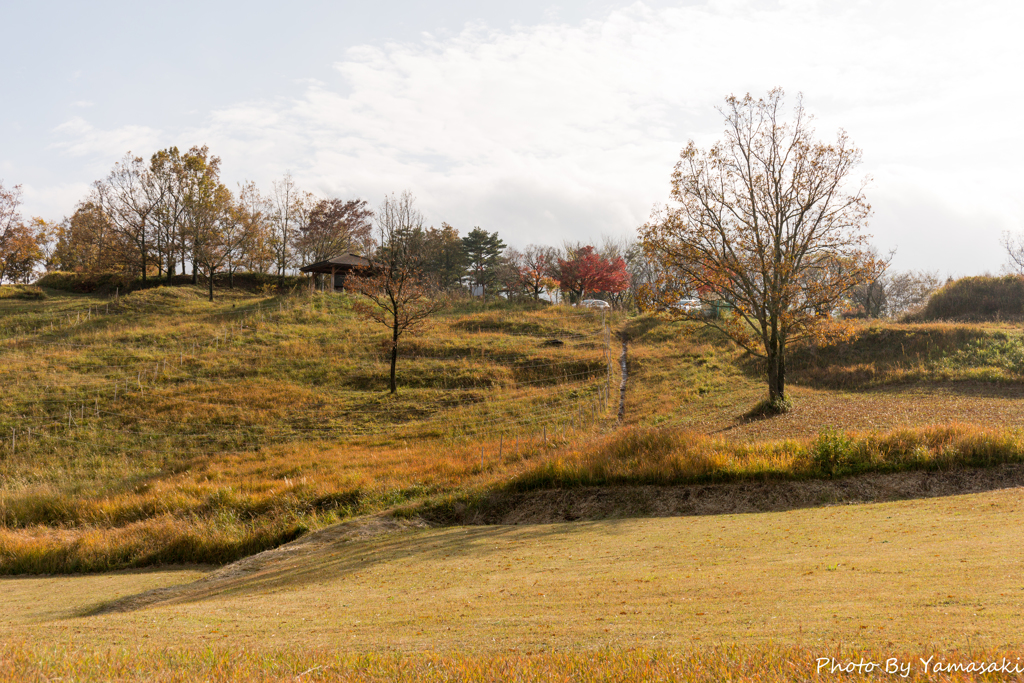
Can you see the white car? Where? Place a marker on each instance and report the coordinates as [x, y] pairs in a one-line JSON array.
[[595, 303], [688, 305]]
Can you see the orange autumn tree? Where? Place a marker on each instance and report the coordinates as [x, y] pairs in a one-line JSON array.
[[764, 222], [21, 245]]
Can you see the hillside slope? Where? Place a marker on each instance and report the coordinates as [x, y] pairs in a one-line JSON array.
[[159, 428]]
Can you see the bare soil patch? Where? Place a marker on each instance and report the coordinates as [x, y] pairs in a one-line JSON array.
[[593, 503]]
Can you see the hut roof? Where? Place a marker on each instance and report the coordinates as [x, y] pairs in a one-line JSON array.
[[343, 262]]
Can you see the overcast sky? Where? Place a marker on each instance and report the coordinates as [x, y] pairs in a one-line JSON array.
[[541, 121]]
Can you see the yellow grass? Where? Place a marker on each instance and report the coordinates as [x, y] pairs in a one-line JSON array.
[[752, 597]]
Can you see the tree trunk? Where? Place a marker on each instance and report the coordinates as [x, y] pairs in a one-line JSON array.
[[777, 374], [211, 284], [394, 357], [625, 376]]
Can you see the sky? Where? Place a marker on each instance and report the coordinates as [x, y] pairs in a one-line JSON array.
[[545, 122]]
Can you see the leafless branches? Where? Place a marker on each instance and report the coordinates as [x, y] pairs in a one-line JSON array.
[[396, 295], [764, 223]]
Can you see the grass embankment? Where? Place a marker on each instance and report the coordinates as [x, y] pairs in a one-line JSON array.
[[883, 355], [160, 428], [664, 457], [977, 298], [629, 599]]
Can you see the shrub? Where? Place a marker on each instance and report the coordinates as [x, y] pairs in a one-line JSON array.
[[977, 298], [833, 453], [87, 283], [768, 407]]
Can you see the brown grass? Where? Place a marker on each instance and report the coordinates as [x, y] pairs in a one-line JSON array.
[[746, 597]]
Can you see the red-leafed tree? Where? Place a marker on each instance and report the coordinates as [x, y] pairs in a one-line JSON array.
[[587, 271]]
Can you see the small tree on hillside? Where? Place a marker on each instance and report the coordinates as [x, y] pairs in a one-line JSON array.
[[257, 254], [1013, 244], [220, 235], [396, 295], [22, 246], [909, 291], [763, 221]]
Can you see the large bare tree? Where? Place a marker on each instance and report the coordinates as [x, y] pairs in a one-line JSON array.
[[129, 196], [397, 295], [768, 221], [335, 227]]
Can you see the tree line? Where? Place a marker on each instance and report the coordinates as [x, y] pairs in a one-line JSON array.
[[172, 214]]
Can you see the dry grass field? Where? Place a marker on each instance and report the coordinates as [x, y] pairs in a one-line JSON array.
[[162, 432], [639, 597]]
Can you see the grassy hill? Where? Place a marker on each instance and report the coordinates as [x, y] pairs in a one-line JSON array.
[[159, 428]]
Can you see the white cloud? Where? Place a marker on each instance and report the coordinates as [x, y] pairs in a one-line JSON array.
[[78, 137], [553, 131]]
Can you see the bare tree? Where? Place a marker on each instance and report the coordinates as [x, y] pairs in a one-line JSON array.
[[764, 222], [536, 267], [257, 252], [910, 290], [1013, 243], [890, 294], [869, 299], [334, 227], [283, 200], [396, 295], [129, 196]]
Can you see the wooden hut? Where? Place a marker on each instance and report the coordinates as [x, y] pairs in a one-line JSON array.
[[339, 268]]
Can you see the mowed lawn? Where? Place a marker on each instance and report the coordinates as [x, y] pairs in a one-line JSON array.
[[871, 411], [921, 575]]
